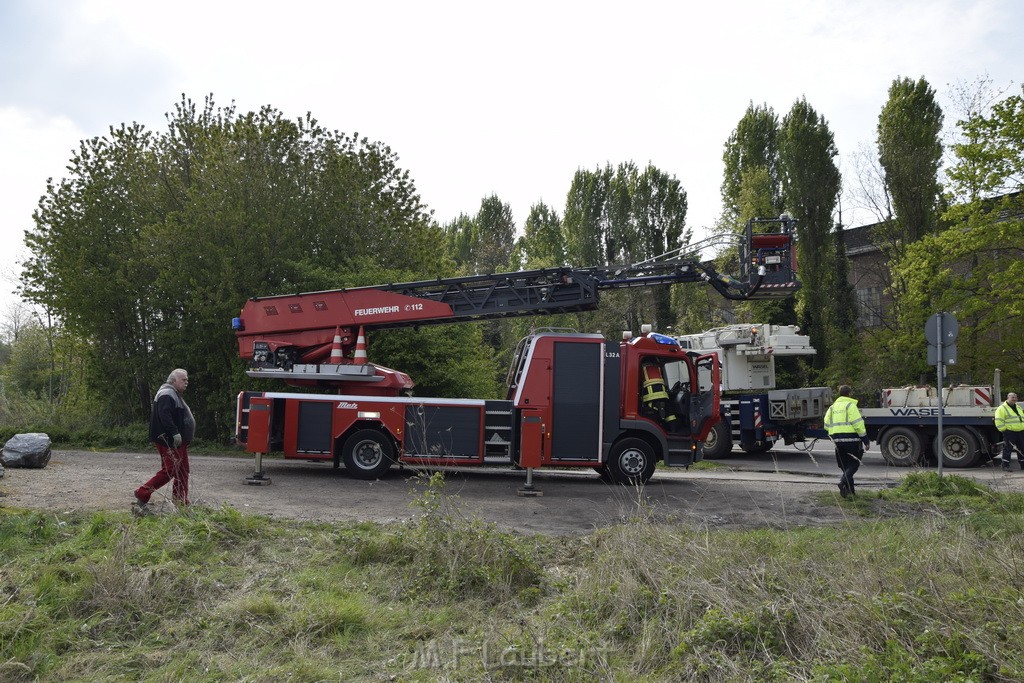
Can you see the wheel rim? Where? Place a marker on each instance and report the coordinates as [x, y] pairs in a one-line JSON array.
[[901, 447], [367, 454], [711, 440], [632, 462], [954, 448]]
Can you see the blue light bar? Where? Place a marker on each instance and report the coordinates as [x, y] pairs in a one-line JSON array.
[[663, 339], [237, 324]]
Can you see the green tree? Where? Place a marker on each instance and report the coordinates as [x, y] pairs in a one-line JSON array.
[[458, 236], [90, 266], [973, 269], [584, 225], [990, 158], [484, 243], [495, 236], [624, 216], [541, 245], [753, 144], [751, 188], [811, 183], [149, 246], [659, 206], [910, 152]]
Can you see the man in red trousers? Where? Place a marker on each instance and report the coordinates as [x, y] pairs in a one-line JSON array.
[[171, 429]]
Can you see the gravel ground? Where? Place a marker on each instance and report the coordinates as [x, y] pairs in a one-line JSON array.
[[573, 502]]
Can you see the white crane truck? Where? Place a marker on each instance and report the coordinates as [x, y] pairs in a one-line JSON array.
[[755, 415]]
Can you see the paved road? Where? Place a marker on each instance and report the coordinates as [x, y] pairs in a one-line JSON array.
[[819, 460]]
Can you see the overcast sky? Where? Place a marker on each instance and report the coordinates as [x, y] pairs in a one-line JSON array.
[[481, 98]]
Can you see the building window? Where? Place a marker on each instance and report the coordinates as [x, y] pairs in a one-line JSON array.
[[869, 307]]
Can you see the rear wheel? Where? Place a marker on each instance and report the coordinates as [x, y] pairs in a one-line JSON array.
[[959, 448], [631, 461], [718, 443], [368, 454], [901, 447]]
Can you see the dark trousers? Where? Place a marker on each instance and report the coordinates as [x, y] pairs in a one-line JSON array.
[[1013, 441], [848, 455], [174, 467]]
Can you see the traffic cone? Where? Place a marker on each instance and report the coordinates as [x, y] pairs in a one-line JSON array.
[[336, 354], [359, 358]]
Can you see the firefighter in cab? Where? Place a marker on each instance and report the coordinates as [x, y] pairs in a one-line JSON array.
[[654, 398]]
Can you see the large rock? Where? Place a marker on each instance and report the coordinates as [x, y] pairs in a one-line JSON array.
[[26, 450]]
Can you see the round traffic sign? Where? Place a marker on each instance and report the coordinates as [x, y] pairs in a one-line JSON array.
[[950, 329]]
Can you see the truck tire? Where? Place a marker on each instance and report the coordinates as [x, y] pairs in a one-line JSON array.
[[631, 461], [718, 443], [959, 448], [368, 454], [901, 447]]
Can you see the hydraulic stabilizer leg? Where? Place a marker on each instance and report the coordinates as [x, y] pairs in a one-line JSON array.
[[528, 489], [258, 478]]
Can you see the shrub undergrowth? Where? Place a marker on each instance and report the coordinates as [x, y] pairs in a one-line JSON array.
[[211, 595]]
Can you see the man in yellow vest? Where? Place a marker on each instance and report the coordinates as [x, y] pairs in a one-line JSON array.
[[1009, 419], [846, 429]]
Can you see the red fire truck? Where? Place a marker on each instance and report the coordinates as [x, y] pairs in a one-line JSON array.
[[574, 400]]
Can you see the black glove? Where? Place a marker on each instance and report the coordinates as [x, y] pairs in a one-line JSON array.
[[866, 441]]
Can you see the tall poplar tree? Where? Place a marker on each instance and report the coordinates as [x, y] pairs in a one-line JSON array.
[[624, 216], [811, 183], [753, 144], [910, 152], [495, 236], [541, 245]]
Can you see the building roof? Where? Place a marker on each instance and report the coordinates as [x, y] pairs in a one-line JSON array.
[[858, 240]]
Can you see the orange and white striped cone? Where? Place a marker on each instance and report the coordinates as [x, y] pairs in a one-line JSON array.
[[359, 357], [336, 354]]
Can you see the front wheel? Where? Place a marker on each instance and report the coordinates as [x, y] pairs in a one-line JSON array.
[[368, 454], [959, 448], [631, 461], [901, 447], [718, 442]]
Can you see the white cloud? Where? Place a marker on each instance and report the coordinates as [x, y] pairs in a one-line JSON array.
[[34, 148], [480, 98]]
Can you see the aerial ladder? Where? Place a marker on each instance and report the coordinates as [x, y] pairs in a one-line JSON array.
[[294, 336]]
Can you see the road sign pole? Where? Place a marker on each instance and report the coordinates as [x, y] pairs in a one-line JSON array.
[[940, 450]]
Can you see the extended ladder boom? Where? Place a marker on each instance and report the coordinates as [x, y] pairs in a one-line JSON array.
[[280, 332]]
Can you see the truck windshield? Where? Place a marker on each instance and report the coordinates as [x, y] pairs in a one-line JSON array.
[[676, 371]]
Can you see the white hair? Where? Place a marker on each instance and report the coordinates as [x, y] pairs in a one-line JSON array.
[[176, 374]]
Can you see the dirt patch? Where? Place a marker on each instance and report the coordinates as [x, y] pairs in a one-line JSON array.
[[573, 502]]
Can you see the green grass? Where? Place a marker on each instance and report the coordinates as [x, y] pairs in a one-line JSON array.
[[923, 585]]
